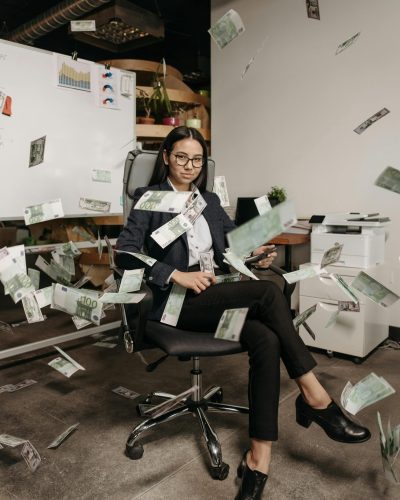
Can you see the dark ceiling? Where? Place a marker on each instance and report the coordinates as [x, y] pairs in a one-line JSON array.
[[186, 45]]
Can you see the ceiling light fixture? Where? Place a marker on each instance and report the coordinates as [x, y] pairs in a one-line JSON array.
[[122, 26]]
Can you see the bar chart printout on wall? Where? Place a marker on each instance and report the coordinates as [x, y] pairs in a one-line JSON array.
[[59, 141]]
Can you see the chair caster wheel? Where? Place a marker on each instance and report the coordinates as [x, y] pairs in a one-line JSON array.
[[357, 360], [220, 472], [329, 354], [218, 397], [134, 452]]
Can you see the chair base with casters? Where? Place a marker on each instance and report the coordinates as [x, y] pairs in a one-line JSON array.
[[174, 342]]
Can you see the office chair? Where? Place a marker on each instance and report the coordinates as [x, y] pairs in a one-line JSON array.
[[140, 334]]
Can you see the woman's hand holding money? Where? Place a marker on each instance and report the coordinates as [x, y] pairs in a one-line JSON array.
[[197, 281]]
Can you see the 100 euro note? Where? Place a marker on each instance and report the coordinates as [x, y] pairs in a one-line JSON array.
[[69, 249], [131, 280], [31, 308], [300, 318], [174, 305], [237, 263], [77, 302], [227, 28], [231, 324], [43, 211], [194, 210], [390, 446], [367, 391], [331, 255], [163, 201], [374, 290], [227, 278], [206, 262], [263, 204], [141, 256], [95, 205], [17, 252], [261, 229], [171, 230], [63, 366], [302, 274], [346, 289], [14, 279], [389, 179], [221, 190]]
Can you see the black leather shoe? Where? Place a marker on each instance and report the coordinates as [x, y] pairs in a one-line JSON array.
[[334, 422], [253, 481]]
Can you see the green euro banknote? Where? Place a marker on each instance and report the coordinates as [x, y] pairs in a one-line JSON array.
[[239, 265], [141, 256], [374, 290], [77, 302], [227, 28], [303, 316], [261, 229], [174, 305], [389, 179], [62, 437], [121, 298], [163, 201], [48, 210], [302, 274], [131, 280], [231, 324], [227, 278], [171, 230], [95, 205], [13, 277], [366, 392]]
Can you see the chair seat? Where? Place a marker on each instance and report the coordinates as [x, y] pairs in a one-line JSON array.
[[188, 343]]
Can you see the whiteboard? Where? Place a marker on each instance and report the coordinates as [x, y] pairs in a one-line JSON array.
[[81, 135]]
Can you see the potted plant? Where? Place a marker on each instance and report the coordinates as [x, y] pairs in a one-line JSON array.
[[194, 120], [144, 102], [159, 98], [276, 195]]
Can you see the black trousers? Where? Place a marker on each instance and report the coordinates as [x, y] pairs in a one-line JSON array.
[[268, 335]]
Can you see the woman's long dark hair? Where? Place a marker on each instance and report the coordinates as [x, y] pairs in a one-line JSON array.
[[161, 170]]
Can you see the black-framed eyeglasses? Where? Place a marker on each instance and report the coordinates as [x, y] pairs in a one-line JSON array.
[[182, 160]]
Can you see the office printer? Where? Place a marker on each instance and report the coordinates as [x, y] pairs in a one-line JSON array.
[[362, 236]]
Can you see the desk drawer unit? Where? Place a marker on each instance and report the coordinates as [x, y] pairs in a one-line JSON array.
[[354, 333]]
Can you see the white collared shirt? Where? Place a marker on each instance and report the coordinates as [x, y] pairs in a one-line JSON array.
[[199, 237]]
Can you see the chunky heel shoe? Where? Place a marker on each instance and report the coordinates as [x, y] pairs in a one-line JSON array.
[[253, 481], [333, 421], [302, 420], [242, 465]]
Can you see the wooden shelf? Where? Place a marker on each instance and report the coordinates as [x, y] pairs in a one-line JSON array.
[[141, 65], [181, 96], [161, 131]]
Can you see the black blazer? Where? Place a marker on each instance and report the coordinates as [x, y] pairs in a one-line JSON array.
[[135, 237]]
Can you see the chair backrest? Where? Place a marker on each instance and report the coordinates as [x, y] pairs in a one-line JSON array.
[[139, 166]]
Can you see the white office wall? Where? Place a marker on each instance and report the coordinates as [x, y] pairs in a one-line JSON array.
[[290, 120]]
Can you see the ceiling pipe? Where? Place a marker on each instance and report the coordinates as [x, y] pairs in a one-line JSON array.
[[52, 19]]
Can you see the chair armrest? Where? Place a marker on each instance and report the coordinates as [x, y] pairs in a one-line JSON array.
[[136, 317]]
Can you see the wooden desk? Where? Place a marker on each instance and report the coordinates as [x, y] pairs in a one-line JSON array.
[[289, 239]]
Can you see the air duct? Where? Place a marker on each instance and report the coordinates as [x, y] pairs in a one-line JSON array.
[[52, 19]]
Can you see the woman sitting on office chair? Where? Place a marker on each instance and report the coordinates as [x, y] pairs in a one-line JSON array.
[[268, 333]]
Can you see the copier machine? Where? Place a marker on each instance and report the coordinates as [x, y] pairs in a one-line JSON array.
[[363, 239]]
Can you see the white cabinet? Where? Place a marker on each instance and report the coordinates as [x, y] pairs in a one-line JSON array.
[[354, 333]]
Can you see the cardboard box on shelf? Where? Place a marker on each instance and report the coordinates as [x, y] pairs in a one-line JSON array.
[[97, 273], [8, 236]]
